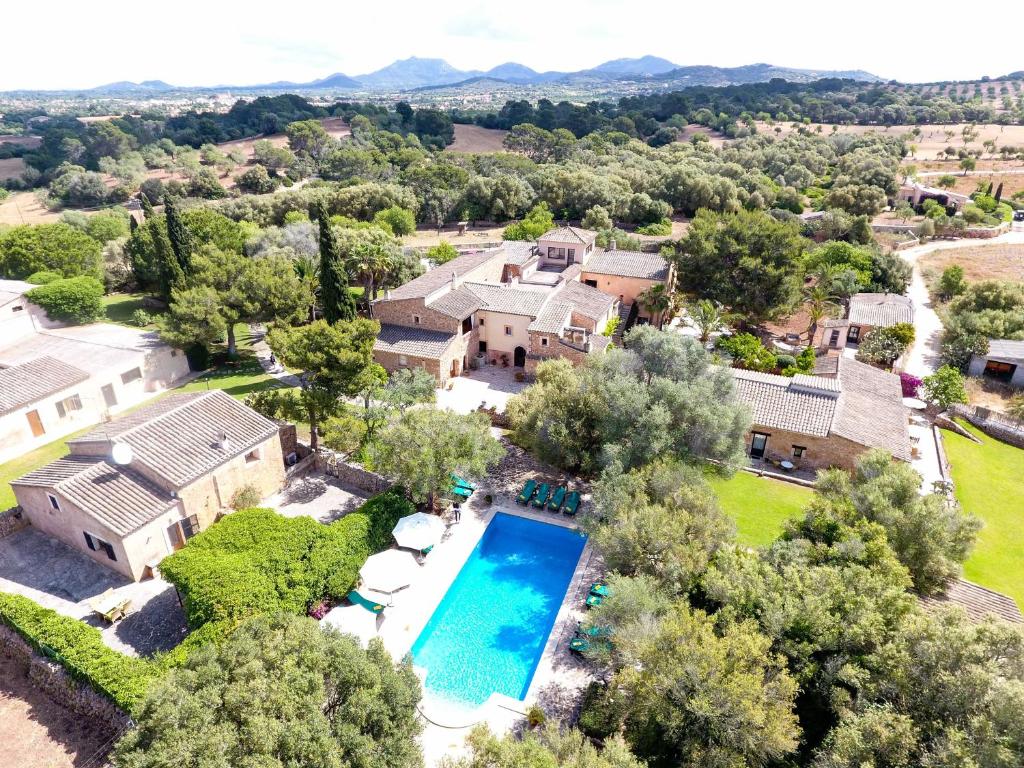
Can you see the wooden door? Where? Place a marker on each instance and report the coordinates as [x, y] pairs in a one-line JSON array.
[[35, 423]]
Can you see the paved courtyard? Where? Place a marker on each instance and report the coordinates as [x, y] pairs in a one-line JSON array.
[[491, 386], [60, 578], [318, 496]]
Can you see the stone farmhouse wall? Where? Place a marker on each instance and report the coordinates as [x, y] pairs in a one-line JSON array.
[[820, 453], [12, 521]]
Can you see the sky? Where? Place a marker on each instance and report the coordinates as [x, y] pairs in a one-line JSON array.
[[81, 44]]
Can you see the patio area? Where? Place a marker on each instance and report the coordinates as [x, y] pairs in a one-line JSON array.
[[490, 385], [319, 496], [59, 577]]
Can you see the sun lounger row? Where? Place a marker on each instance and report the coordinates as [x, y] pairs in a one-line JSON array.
[[586, 638], [541, 496], [462, 489]]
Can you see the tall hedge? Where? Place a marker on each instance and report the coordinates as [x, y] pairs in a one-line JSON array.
[[79, 648], [74, 299], [257, 561]]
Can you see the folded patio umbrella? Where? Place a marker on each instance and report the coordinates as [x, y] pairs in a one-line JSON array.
[[353, 620], [389, 571], [419, 531]]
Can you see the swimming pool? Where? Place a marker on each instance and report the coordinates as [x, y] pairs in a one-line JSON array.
[[489, 631]]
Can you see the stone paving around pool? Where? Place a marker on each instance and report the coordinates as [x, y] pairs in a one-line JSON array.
[[560, 676]]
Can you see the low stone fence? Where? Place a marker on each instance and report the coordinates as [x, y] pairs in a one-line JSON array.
[[52, 679], [992, 423], [349, 474], [11, 521]]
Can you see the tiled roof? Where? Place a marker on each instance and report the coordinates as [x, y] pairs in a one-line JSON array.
[[569, 235], [24, 384], [1006, 349], [517, 252], [120, 498], [880, 309], [460, 303], [97, 348], [179, 438], [649, 266], [598, 343], [776, 404], [509, 300], [429, 282], [588, 301], [552, 318], [415, 342], [977, 601], [826, 365], [13, 289], [871, 408]]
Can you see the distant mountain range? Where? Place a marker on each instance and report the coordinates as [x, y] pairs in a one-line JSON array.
[[417, 73]]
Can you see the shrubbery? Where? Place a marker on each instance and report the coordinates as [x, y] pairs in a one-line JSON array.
[[79, 648], [43, 277], [256, 561], [75, 299]]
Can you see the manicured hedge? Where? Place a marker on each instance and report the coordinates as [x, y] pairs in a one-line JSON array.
[[257, 561], [79, 648], [74, 299]]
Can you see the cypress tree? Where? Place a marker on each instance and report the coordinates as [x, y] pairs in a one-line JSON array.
[[171, 274], [999, 192], [147, 207], [336, 301], [180, 237]]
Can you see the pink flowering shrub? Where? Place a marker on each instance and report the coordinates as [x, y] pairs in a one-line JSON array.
[[910, 384]]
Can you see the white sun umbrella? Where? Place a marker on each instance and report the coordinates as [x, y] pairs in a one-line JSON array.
[[389, 571], [419, 531], [353, 620]]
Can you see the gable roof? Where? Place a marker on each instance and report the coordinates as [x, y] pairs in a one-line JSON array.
[[179, 438], [648, 266], [553, 318], [430, 281], [777, 404], [518, 252], [412, 341], [880, 309], [588, 301], [24, 384], [977, 601], [119, 497], [509, 300], [1006, 349], [460, 303], [569, 235]]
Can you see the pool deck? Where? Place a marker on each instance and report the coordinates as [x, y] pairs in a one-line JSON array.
[[559, 676]]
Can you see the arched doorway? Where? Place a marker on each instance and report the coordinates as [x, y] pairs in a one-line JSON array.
[[519, 357]]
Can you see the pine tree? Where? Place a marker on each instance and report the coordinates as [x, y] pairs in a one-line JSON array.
[[336, 300], [180, 237]]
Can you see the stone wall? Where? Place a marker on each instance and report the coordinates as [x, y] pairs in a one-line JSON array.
[[12, 521], [351, 474], [54, 681], [820, 453], [992, 423]]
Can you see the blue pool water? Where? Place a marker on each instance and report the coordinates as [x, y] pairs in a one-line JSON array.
[[489, 631]]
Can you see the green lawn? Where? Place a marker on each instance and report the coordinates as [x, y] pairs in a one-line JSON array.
[[237, 380], [988, 479], [759, 505], [120, 307]]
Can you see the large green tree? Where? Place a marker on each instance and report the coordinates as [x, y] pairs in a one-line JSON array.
[[336, 301], [280, 692], [180, 237], [49, 247]]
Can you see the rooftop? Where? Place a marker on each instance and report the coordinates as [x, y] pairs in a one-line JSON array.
[[509, 299], [553, 318], [518, 252], [569, 235], [26, 383], [775, 403], [588, 301], [649, 266], [12, 289], [412, 341], [119, 497], [977, 601], [430, 281], [1006, 349], [460, 303], [180, 438], [880, 309], [94, 348]]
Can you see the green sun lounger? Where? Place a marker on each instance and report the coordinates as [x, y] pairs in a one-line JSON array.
[[356, 599], [460, 483], [557, 498], [599, 589], [579, 644], [527, 493], [593, 600], [542, 496], [572, 503], [462, 493]]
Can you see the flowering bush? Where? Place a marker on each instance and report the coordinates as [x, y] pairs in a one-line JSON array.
[[911, 384], [319, 610]]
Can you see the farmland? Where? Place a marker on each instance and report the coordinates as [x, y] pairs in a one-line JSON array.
[[474, 139]]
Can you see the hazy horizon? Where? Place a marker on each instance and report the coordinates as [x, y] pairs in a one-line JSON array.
[[204, 44]]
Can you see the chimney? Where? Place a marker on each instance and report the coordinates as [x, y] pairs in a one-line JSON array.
[[611, 245], [588, 345], [453, 280], [387, 295], [222, 441]]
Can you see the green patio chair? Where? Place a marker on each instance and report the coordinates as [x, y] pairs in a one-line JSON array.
[[572, 503], [599, 589], [557, 498], [460, 483], [579, 644], [371, 605], [593, 600], [462, 493], [527, 493], [542, 496]]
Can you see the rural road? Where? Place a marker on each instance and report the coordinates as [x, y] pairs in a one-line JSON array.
[[1007, 172]]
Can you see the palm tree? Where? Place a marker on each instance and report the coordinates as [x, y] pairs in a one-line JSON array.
[[707, 318], [657, 300], [307, 269], [820, 304]]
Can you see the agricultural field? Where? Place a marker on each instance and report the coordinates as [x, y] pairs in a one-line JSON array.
[[11, 168], [985, 262], [475, 139], [24, 208]]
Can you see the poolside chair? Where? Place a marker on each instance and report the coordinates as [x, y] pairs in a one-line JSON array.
[[542, 496], [527, 493], [462, 493], [572, 503], [460, 483], [593, 600], [579, 644], [557, 498], [599, 589], [372, 606]]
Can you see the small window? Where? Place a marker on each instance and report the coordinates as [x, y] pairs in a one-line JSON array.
[[69, 404], [416, 319], [402, 360], [18, 308], [96, 544], [798, 451], [543, 341], [54, 503], [572, 253], [129, 376], [189, 526], [508, 330], [480, 321], [253, 456], [561, 253], [551, 252]]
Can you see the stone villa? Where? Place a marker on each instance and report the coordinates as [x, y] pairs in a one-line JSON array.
[[817, 422], [866, 312], [515, 305], [134, 490]]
